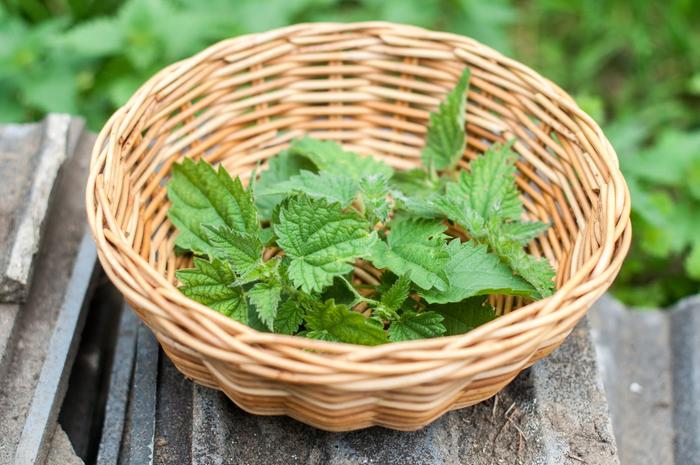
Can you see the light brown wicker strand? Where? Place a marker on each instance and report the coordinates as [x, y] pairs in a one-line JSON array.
[[371, 87]]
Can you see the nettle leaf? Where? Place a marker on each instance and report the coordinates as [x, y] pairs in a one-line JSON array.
[[242, 250], [419, 206], [339, 292], [289, 317], [263, 271], [483, 202], [267, 236], [536, 271], [280, 168], [523, 232], [324, 185], [461, 317], [456, 207], [471, 271], [211, 284], [413, 325], [396, 295], [329, 321], [329, 156], [416, 183], [446, 138], [489, 186], [374, 192], [199, 196], [265, 297], [415, 247], [321, 240]]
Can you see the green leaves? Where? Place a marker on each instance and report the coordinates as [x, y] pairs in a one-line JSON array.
[[489, 186], [289, 317], [413, 325], [329, 321], [471, 271], [523, 232], [330, 157], [242, 250], [265, 296], [485, 202], [321, 240], [211, 284], [664, 183], [199, 196], [536, 271], [397, 294], [415, 247], [281, 168], [374, 190], [95, 38], [324, 208], [456, 207], [324, 185], [445, 141], [461, 317]]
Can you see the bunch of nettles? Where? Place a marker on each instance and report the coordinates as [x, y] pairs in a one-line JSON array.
[[324, 209]]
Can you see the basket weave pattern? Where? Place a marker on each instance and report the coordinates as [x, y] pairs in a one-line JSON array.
[[369, 86]]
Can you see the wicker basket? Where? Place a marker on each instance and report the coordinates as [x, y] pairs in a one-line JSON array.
[[369, 86]]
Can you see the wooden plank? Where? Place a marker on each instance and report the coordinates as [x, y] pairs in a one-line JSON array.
[[138, 445], [48, 395], [31, 156], [118, 394]]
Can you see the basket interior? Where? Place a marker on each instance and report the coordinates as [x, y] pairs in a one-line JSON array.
[[242, 101]]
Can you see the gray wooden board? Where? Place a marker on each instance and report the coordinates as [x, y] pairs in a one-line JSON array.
[[138, 441], [31, 156], [29, 329], [50, 389], [118, 394]]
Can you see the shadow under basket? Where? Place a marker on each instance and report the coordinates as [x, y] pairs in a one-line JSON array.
[[370, 87]]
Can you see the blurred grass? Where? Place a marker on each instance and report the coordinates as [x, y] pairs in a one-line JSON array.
[[633, 65]]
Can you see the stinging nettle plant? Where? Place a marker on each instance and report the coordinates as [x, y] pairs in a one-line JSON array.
[[443, 239]]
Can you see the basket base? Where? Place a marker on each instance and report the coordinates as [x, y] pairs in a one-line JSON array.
[[344, 411]]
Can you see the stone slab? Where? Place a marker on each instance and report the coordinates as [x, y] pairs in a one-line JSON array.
[[31, 156], [571, 405], [552, 413], [173, 420], [35, 320], [685, 346], [634, 351], [651, 368]]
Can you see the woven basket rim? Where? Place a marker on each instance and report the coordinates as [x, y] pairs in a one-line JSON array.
[[537, 312]]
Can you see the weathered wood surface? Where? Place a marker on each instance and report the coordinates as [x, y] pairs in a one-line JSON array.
[[32, 382]]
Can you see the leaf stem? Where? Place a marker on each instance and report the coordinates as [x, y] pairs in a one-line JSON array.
[[358, 297]]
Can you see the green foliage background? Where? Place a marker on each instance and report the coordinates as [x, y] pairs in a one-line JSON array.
[[634, 65]]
